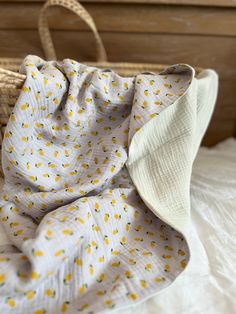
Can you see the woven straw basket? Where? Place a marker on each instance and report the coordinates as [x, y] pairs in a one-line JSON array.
[[11, 80]]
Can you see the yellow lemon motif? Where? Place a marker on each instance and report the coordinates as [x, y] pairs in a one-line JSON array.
[[78, 261], [80, 220], [26, 89], [183, 263], [24, 106], [115, 264], [50, 293], [181, 252], [128, 274], [83, 307], [101, 278], [37, 253], [57, 178], [67, 232], [106, 217], [59, 253], [11, 302], [148, 266], [123, 241], [67, 278], [35, 275], [143, 284], [25, 125], [109, 303], [167, 268], [64, 307], [40, 311], [82, 289], [2, 279], [8, 134], [30, 294], [96, 207], [132, 296], [101, 259], [91, 270], [159, 279]]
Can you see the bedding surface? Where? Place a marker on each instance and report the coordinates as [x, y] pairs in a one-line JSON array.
[[208, 285]]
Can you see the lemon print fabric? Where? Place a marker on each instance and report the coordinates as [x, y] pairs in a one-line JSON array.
[[82, 240]]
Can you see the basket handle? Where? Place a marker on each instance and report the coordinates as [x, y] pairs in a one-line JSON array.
[[79, 10]]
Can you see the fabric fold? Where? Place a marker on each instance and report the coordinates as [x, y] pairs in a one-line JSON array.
[[96, 195]]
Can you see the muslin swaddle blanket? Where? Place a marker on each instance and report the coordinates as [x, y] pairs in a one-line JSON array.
[[96, 196]]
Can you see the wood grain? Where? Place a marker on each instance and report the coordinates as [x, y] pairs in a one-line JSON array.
[[205, 51], [156, 18], [220, 3], [199, 32]]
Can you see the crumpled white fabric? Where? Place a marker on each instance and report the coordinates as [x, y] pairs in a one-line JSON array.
[[208, 285]]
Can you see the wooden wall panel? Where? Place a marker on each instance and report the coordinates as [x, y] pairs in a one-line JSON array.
[[156, 48], [218, 3], [138, 19], [201, 33], [205, 51]]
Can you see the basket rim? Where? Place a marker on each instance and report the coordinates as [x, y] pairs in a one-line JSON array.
[[113, 65]]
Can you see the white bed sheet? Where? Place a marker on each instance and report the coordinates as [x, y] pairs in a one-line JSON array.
[[208, 285]]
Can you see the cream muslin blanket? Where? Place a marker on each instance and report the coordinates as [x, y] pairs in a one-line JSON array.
[[96, 195]]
